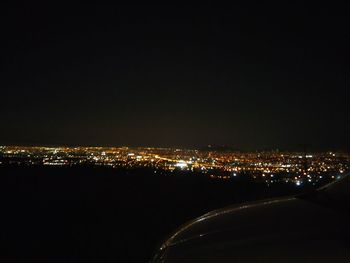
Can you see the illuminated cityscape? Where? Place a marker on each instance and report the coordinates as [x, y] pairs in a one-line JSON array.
[[175, 131], [270, 167]]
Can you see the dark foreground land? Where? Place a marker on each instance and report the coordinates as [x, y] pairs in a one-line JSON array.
[[104, 215]]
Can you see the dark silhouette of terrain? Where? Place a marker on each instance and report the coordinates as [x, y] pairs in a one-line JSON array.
[[86, 214]]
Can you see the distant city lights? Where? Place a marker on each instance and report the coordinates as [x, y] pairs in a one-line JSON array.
[[270, 167]]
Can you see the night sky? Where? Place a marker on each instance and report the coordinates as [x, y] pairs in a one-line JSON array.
[[180, 74]]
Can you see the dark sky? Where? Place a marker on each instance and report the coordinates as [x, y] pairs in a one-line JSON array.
[[172, 73]]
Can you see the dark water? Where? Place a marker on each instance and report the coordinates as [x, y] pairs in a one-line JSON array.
[[104, 215]]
